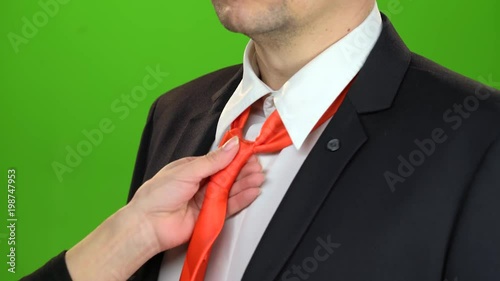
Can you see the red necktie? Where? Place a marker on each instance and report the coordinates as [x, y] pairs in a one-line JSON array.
[[273, 137]]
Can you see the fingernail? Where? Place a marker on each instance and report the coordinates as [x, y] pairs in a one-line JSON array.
[[230, 144]]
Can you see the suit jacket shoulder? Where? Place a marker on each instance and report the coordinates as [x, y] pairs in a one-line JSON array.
[[451, 85], [432, 93], [192, 96]]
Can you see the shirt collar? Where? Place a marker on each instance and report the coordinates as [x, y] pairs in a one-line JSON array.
[[303, 99]]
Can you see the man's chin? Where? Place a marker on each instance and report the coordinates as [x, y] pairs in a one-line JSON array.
[[235, 25], [251, 22]]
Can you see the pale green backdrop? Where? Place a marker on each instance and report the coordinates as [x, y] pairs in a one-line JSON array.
[[65, 67]]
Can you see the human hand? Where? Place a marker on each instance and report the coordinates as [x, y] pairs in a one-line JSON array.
[[160, 216], [170, 201]]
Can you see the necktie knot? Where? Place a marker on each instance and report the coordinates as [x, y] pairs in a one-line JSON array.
[[273, 137]]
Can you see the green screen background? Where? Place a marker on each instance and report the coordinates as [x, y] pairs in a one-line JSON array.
[[65, 79]]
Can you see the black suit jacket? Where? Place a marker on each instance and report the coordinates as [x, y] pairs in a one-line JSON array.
[[412, 193]]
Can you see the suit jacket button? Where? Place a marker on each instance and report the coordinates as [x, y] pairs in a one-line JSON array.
[[333, 145]]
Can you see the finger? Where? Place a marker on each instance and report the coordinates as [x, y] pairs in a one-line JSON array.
[[200, 195], [254, 180], [253, 158], [249, 168], [242, 200], [180, 162], [210, 163], [250, 181], [204, 181]]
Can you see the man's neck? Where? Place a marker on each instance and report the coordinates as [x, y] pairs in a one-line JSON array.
[[279, 57]]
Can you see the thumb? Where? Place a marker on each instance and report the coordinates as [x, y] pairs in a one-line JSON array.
[[212, 162]]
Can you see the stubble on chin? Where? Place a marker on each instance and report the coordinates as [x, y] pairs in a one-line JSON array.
[[253, 23]]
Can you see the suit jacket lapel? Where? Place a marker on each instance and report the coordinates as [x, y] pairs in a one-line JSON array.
[[373, 90], [199, 134], [306, 194]]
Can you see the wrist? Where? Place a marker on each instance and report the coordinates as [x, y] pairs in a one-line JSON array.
[[141, 234], [115, 249]]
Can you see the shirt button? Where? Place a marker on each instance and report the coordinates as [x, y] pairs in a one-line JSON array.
[[333, 145]]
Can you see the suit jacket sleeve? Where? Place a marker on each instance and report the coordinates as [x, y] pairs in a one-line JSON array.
[[474, 251], [54, 270]]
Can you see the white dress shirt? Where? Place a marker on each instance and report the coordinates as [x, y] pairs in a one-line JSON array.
[[300, 102]]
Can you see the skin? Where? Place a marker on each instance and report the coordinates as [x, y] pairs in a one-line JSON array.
[[290, 33], [160, 216]]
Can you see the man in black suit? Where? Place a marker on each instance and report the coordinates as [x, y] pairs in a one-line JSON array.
[[402, 183]]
